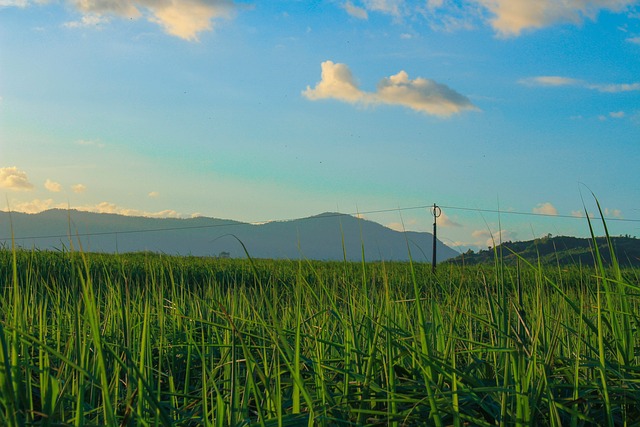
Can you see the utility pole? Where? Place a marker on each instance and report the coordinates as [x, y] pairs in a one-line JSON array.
[[436, 211]]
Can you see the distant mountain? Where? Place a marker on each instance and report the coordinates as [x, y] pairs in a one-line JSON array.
[[559, 250], [318, 237]]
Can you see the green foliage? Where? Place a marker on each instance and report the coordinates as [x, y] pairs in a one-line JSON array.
[[559, 250], [146, 339]]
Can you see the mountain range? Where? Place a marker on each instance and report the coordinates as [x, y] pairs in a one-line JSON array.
[[328, 236]]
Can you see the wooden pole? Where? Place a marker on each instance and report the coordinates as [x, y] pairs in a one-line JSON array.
[[436, 213]]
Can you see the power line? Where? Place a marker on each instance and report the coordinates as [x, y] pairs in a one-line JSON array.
[[501, 212], [330, 215]]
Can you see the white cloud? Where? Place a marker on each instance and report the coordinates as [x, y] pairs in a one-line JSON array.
[[87, 21], [112, 208], [511, 17], [458, 244], [336, 82], [389, 7], [610, 213], [545, 209], [420, 94], [13, 178], [14, 3], [52, 186], [550, 81], [37, 206], [153, 194], [613, 213], [634, 40], [617, 114], [180, 18], [568, 81], [414, 224], [127, 9], [615, 88], [79, 188], [487, 238], [445, 221], [580, 214], [396, 226], [451, 15], [187, 18], [355, 11], [408, 225]]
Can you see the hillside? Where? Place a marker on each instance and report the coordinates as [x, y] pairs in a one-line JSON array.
[[318, 237], [558, 250]]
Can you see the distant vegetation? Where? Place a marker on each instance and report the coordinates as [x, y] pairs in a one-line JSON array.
[[558, 250], [146, 339]]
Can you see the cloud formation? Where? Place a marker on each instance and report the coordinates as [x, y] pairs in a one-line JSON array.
[[612, 213], [37, 206], [550, 81], [15, 3], [87, 21], [445, 221], [422, 95], [52, 186], [403, 225], [79, 188], [388, 7], [491, 239], [180, 18], [112, 208], [508, 18], [616, 88], [15, 179], [511, 17], [545, 209], [337, 82], [355, 11], [557, 81]]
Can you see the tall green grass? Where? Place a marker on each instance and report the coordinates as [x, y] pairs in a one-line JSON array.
[[143, 339]]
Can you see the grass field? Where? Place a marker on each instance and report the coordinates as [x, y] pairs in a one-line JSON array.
[[143, 339]]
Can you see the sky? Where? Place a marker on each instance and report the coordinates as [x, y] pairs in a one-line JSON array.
[[513, 116]]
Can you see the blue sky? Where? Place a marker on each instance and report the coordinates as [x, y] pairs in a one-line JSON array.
[[276, 110]]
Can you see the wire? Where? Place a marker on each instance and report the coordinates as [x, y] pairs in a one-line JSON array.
[[538, 214], [329, 215]]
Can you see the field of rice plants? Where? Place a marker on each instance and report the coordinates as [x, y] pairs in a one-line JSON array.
[[146, 339]]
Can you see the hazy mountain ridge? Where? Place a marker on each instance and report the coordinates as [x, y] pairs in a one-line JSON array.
[[558, 250], [318, 237]]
